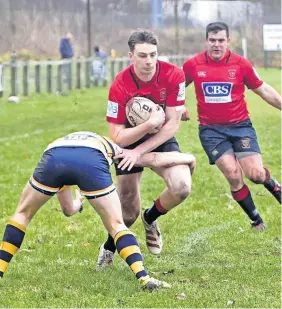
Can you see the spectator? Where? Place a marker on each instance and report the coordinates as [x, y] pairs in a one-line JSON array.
[[113, 53], [66, 51], [99, 67]]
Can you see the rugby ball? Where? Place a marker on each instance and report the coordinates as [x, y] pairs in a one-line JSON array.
[[138, 110]]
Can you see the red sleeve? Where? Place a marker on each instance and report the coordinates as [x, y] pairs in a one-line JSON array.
[[116, 103], [176, 96], [251, 78], [187, 69]]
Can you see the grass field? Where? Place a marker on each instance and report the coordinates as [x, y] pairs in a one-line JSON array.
[[211, 256]]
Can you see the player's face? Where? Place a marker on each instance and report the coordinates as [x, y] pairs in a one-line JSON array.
[[144, 58], [217, 44]]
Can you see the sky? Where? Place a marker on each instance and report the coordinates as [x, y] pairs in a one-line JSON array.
[[206, 11]]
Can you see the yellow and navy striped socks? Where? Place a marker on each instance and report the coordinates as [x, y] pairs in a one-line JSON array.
[[128, 248], [12, 240]]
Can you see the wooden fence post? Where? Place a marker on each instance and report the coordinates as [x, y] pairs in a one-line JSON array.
[[78, 74], [69, 75], [49, 77], [14, 77], [112, 69], [1, 79], [120, 65], [87, 73], [25, 79], [59, 78], [37, 78]]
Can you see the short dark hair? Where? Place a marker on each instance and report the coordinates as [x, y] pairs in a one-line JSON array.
[[216, 27], [139, 37]]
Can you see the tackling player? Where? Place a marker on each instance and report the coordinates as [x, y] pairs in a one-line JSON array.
[[164, 84], [226, 131], [83, 159], [61, 165]]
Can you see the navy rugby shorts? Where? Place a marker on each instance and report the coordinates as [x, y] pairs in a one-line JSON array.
[[168, 146], [239, 138], [66, 166]]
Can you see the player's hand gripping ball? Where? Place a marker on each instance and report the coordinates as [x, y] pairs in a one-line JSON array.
[[138, 111]]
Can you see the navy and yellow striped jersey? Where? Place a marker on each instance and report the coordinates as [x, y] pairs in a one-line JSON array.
[[90, 140]]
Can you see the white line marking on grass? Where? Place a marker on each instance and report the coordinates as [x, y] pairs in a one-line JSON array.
[[36, 132], [192, 240], [12, 138]]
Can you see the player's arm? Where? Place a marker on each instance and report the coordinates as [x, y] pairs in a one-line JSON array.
[[130, 157], [116, 117], [187, 69], [254, 82], [269, 95], [69, 205], [160, 159], [173, 117], [174, 104], [188, 72], [174, 107], [167, 159]]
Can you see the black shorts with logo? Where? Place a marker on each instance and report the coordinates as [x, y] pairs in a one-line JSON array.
[[239, 137], [169, 146]]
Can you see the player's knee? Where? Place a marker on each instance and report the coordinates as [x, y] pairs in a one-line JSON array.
[[256, 175], [130, 213], [233, 175], [67, 213], [184, 190], [67, 210], [181, 189], [129, 219]]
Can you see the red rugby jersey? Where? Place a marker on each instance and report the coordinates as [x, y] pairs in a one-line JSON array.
[[166, 88], [220, 87]]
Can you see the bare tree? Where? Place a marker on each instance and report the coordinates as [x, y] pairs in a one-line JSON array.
[[37, 26], [176, 26]]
